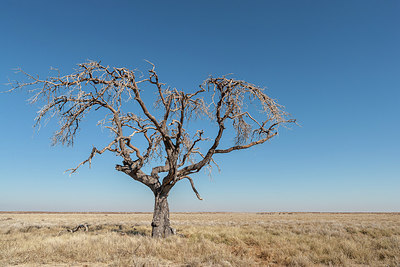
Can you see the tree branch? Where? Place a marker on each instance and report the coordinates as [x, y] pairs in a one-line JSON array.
[[192, 184], [92, 154]]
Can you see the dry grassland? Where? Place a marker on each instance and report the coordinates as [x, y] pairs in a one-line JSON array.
[[204, 239]]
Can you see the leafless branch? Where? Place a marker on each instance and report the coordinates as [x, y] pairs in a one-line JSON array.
[[193, 187], [144, 134]]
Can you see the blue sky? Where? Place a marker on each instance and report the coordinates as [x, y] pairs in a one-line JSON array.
[[333, 64]]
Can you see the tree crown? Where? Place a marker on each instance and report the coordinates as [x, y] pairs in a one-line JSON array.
[[222, 100]]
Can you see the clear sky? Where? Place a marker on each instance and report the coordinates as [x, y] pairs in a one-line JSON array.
[[335, 65]]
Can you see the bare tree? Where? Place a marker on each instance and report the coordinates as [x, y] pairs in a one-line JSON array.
[[149, 133]]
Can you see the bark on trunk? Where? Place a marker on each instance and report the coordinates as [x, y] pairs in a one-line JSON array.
[[160, 225]]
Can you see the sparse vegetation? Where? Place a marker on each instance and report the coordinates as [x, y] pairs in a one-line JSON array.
[[203, 239]]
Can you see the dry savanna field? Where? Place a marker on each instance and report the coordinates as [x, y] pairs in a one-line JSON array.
[[203, 239]]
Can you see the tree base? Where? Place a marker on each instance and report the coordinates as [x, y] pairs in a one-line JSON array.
[[159, 232]]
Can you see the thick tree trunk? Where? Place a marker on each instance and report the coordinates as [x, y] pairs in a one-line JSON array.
[[160, 224]]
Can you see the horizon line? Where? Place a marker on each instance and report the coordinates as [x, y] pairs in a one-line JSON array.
[[205, 212]]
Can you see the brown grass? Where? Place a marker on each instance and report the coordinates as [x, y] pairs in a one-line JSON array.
[[204, 239]]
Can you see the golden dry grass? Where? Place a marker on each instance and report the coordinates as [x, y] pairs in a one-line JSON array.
[[204, 239]]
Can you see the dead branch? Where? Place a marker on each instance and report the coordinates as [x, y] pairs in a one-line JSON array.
[[140, 134], [192, 184], [84, 227]]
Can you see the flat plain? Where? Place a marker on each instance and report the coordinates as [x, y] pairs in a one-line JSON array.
[[203, 239]]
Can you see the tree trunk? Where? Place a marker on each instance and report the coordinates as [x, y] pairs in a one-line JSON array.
[[160, 225]]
